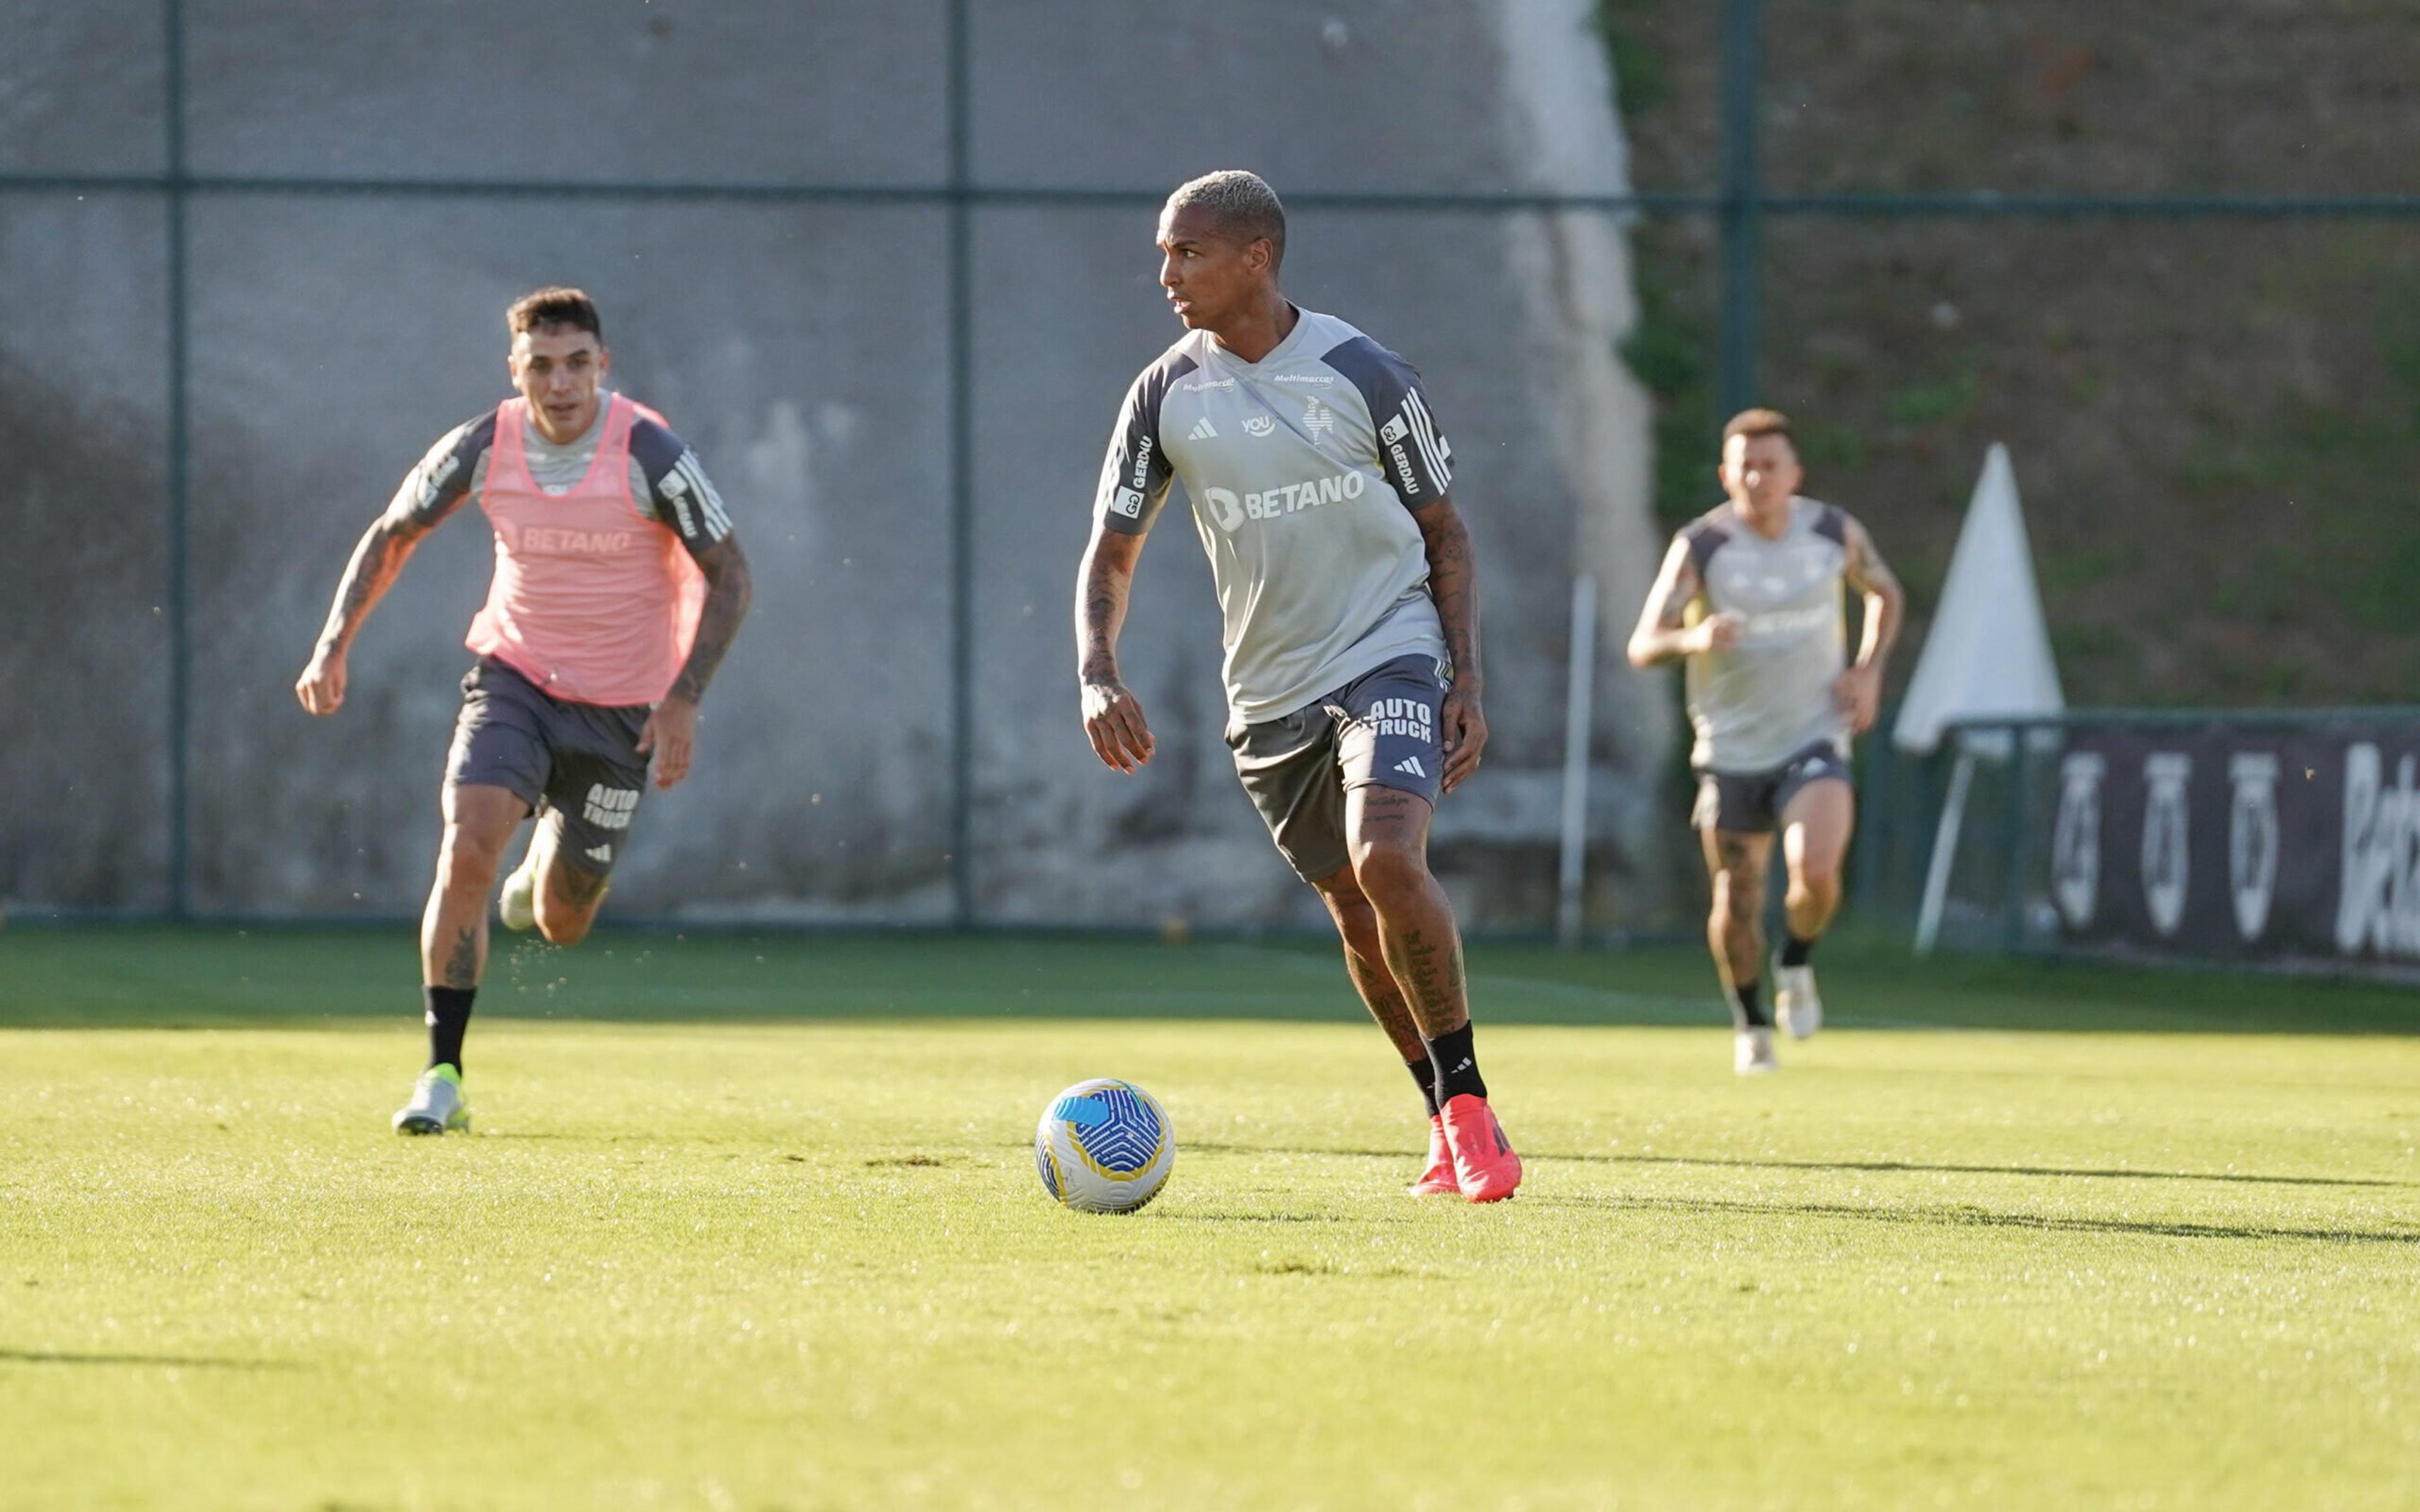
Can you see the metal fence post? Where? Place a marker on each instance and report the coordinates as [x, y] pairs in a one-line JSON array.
[[962, 475], [181, 643], [1743, 206]]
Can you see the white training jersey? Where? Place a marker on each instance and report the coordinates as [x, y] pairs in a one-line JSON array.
[[1304, 469], [1770, 696]]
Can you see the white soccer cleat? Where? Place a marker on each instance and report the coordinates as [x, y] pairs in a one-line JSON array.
[[517, 904], [436, 1106], [1752, 1052], [1795, 1001]]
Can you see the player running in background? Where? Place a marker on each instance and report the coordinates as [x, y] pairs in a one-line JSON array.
[[619, 587], [1318, 480], [1750, 593]]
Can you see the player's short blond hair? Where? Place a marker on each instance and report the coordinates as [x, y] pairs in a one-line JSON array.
[[1242, 203], [1759, 423]]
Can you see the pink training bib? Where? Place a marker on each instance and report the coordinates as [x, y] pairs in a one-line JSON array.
[[592, 600]]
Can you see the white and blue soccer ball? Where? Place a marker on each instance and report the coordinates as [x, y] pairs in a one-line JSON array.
[[1104, 1146]]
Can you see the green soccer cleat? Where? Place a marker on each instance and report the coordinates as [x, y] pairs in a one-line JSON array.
[[517, 904], [436, 1104]]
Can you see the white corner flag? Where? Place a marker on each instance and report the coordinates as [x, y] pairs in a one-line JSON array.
[[1988, 652], [1986, 656]]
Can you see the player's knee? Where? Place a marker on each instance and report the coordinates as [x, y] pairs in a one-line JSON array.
[[563, 927], [467, 858], [1816, 881], [1389, 869], [1734, 900], [567, 910]]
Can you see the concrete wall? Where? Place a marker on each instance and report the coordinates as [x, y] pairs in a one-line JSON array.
[[803, 347]]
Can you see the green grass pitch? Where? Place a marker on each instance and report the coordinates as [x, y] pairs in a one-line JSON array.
[[752, 1224]]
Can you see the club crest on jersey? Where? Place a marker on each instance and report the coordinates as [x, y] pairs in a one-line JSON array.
[[1317, 418]]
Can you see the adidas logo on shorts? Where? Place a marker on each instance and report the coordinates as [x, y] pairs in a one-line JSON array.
[[1412, 764]]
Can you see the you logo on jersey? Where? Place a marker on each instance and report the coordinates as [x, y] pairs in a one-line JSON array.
[[1231, 510]]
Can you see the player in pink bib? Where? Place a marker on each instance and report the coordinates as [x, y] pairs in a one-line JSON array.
[[618, 588]]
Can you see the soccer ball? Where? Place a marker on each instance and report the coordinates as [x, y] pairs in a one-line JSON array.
[[1104, 1146]]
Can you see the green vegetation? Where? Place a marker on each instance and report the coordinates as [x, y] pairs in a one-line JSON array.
[[1670, 348], [2226, 406], [751, 1222]]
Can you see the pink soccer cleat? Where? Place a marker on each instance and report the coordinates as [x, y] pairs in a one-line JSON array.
[[1439, 1179], [1484, 1166]]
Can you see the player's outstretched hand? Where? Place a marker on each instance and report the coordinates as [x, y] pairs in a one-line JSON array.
[[1113, 719], [1719, 632], [321, 687], [1464, 732], [671, 734], [1858, 694]]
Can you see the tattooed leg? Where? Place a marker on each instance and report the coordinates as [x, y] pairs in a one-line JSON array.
[[480, 823], [1733, 931], [1387, 834], [568, 893], [1365, 962]]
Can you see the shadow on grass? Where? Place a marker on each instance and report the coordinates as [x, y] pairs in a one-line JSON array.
[[179, 1362], [160, 977], [1973, 1217], [1878, 1166]]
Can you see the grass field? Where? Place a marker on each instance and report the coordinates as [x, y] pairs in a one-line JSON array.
[[752, 1224]]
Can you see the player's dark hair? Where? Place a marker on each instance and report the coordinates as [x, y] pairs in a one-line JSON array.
[[548, 308], [1759, 423], [1244, 203]]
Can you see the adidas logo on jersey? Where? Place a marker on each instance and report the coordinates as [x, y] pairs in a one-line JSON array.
[[1203, 431], [1412, 764]]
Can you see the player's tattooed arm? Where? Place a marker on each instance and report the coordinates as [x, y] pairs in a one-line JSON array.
[[1859, 690], [376, 562], [1664, 630], [670, 734], [1454, 583], [729, 587], [1113, 717], [1885, 601]]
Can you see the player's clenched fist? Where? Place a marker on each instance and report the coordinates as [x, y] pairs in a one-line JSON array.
[[321, 687], [1113, 720], [1719, 632]]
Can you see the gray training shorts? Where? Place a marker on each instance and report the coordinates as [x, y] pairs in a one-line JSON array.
[[1751, 803], [1380, 730], [580, 760]]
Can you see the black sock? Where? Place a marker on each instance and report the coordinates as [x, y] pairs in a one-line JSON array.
[[449, 1016], [1424, 1075], [1794, 950], [1457, 1065], [1747, 1007]]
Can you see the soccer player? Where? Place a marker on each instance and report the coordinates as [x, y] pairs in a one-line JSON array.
[[1318, 481], [1750, 595], [619, 587]]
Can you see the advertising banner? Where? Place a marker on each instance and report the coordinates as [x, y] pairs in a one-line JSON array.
[[2240, 842]]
